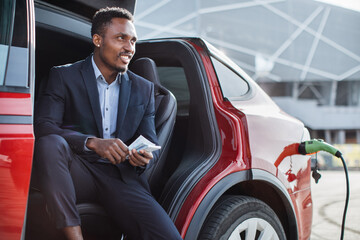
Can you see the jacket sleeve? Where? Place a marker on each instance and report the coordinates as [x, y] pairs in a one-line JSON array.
[[49, 113]]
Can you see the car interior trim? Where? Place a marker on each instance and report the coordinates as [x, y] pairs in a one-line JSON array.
[[51, 16], [201, 118], [194, 177], [11, 89], [15, 119]]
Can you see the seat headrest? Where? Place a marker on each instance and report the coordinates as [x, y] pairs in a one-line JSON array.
[[146, 68]]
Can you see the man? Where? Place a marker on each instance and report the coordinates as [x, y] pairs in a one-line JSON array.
[[87, 115]]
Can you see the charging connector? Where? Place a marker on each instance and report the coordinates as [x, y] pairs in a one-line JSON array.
[[316, 145]]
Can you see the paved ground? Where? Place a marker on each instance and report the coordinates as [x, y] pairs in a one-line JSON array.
[[328, 199]]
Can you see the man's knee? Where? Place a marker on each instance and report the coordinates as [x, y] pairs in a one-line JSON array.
[[51, 142], [51, 147]]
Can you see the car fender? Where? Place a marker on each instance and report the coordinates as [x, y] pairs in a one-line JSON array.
[[231, 180]]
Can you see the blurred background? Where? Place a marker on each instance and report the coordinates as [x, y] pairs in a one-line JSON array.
[[304, 53]]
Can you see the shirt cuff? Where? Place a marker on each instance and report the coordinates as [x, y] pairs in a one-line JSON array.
[[86, 149]]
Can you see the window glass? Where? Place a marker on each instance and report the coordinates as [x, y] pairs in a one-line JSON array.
[[6, 18], [232, 85], [19, 37], [18, 59], [174, 79]]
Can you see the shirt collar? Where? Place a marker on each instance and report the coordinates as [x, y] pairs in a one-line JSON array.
[[98, 73]]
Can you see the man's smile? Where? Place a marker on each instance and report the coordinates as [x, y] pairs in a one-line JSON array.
[[125, 57]]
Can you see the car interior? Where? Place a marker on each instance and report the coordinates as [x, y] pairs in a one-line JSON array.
[[185, 126]]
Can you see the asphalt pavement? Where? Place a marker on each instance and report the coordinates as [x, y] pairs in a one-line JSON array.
[[328, 205]]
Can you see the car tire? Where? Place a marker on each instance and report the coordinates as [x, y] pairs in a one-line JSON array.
[[241, 217]]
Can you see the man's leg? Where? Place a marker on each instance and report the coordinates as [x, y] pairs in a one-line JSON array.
[[52, 163], [133, 208]]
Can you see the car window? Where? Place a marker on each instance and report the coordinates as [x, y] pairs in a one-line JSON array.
[[14, 58], [6, 18], [174, 79], [232, 85]]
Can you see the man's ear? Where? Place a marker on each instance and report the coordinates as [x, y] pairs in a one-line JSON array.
[[97, 40]]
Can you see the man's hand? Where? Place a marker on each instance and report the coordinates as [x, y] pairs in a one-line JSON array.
[[112, 149], [139, 159]]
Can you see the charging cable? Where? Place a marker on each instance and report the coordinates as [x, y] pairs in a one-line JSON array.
[[316, 145]]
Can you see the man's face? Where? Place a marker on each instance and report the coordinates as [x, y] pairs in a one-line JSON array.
[[117, 45]]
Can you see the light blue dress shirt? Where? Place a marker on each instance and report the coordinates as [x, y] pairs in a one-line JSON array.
[[109, 101]]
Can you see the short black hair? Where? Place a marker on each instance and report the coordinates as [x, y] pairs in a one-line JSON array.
[[104, 15]]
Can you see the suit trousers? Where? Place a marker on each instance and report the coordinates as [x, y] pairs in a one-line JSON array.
[[66, 179]]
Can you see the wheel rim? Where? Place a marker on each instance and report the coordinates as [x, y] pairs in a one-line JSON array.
[[254, 229]]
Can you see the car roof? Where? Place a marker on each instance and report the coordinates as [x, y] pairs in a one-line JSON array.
[[87, 8]]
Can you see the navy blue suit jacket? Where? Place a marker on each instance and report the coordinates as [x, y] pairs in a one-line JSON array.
[[69, 106]]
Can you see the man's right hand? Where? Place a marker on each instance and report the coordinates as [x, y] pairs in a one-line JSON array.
[[112, 149]]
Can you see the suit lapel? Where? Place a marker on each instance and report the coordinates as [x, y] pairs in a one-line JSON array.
[[124, 97], [91, 86]]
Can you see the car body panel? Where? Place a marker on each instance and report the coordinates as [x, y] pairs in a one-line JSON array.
[[248, 141], [16, 137], [15, 104], [232, 156], [16, 152], [269, 129]]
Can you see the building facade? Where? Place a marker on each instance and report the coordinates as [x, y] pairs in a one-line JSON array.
[[304, 53]]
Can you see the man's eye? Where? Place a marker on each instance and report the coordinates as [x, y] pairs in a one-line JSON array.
[[120, 38]]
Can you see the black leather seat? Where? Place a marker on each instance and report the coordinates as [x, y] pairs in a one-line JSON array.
[[165, 115], [94, 219]]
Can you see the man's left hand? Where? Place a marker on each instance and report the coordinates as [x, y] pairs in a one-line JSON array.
[[139, 159]]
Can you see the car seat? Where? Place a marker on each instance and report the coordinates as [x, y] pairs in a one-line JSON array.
[[165, 115]]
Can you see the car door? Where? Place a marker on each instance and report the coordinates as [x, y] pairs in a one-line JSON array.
[[16, 129]]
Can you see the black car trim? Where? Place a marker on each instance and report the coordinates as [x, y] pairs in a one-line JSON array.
[[87, 8], [196, 174], [193, 166], [225, 184], [14, 89], [14, 119], [71, 23]]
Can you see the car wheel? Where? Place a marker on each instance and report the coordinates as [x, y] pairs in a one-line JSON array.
[[241, 217]]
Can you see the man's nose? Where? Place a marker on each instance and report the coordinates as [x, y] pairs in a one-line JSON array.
[[129, 46]]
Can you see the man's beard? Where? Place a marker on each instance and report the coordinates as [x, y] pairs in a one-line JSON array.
[[116, 68], [113, 66], [121, 69]]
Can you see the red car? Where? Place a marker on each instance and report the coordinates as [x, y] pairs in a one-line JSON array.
[[226, 169]]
